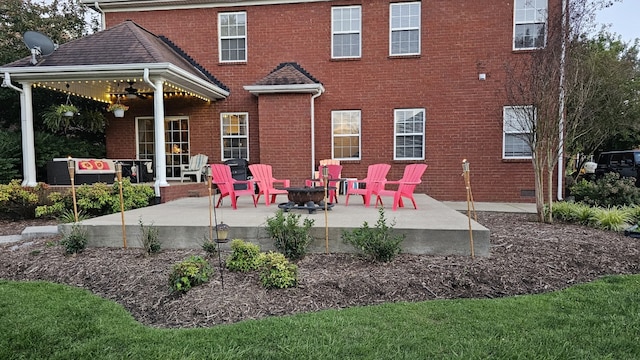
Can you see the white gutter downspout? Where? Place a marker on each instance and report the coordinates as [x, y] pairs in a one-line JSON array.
[[158, 121], [26, 118], [313, 132], [102, 16], [561, 100]]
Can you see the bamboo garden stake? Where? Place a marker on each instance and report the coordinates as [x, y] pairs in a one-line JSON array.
[[124, 231], [71, 165], [470, 205]]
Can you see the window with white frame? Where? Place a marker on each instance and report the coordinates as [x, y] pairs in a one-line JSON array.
[[346, 24], [517, 131], [234, 129], [530, 23], [232, 30], [404, 29], [408, 134], [345, 132]]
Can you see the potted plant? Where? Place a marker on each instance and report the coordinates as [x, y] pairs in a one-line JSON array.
[[117, 109], [67, 110]]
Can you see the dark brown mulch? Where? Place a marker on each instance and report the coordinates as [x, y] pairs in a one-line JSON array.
[[526, 258]]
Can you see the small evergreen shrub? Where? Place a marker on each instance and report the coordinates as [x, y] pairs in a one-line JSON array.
[[289, 237], [149, 238], [244, 256], [20, 202], [76, 240], [609, 190], [189, 273], [276, 271], [378, 243], [209, 246]]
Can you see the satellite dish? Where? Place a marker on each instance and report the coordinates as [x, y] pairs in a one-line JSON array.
[[39, 44]]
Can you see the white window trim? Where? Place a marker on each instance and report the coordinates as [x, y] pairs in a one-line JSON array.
[[222, 136], [419, 28], [523, 130], [333, 155], [245, 37], [334, 32], [515, 23], [422, 133]]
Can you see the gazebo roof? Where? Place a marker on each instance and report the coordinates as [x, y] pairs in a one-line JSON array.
[[98, 65]]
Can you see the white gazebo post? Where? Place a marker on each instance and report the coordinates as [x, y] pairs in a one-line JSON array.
[[158, 121], [28, 142]]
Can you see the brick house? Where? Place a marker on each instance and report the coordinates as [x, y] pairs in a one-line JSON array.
[[365, 82]]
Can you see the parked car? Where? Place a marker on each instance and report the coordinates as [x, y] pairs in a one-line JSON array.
[[625, 162]]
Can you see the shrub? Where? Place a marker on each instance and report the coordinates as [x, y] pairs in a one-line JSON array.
[[289, 237], [189, 273], [276, 271], [612, 218], [377, 243], [20, 202], [149, 238], [76, 240], [610, 190], [209, 246], [244, 256]]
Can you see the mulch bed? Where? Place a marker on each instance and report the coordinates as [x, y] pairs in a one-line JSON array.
[[527, 257]]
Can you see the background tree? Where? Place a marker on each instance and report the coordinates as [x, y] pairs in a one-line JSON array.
[[62, 21], [548, 79]]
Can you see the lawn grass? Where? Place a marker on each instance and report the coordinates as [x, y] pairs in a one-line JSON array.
[[600, 320]]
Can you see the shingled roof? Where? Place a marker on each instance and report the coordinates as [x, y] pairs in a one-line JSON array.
[[288, 77], [124, 46]]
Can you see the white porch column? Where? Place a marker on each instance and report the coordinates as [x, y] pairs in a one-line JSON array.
[[158, 120], [28, 143]]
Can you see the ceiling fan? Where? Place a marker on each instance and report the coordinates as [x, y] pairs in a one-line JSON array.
[[132, 93]]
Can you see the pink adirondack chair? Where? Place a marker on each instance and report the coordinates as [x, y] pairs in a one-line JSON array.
[[263, 175], [221, 176], [410, 179], [376, 177], [334, 173]]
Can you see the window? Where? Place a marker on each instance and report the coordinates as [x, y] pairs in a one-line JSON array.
[[408, 134], [232, 28], [529, 29], [345, 127], [235, 135], [176, 142], [345, 27], [517, 131], [405, 29]]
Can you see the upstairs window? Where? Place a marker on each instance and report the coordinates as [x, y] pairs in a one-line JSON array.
[[409, 134], [346, 24], [530, 24], [232, 28], [517, 131], [405, 29]]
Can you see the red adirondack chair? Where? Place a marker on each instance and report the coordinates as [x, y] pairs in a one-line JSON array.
[[410, 179], [221, 176], [334, 173], [376, 177], [263, 175]]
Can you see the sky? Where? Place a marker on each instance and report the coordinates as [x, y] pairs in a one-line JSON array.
[[623, 17]]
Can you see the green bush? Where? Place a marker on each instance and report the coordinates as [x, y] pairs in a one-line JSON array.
[[609, 190], [244, 256], [289, 237], [189, 273], [276, 271], [611, 218], [98, 199], [149, 238], [10, 156], [18, 202], [377, 243], [76, 240]]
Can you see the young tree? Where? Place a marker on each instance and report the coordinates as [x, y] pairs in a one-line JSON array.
[[543, 83]]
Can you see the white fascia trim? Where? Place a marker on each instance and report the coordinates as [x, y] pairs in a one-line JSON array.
[[147, 5], [281, 89], [98, 72]]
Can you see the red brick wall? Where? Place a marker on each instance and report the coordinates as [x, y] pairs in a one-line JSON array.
[[460, 39]]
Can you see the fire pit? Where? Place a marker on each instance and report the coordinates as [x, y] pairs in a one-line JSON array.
[[305, 198]]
